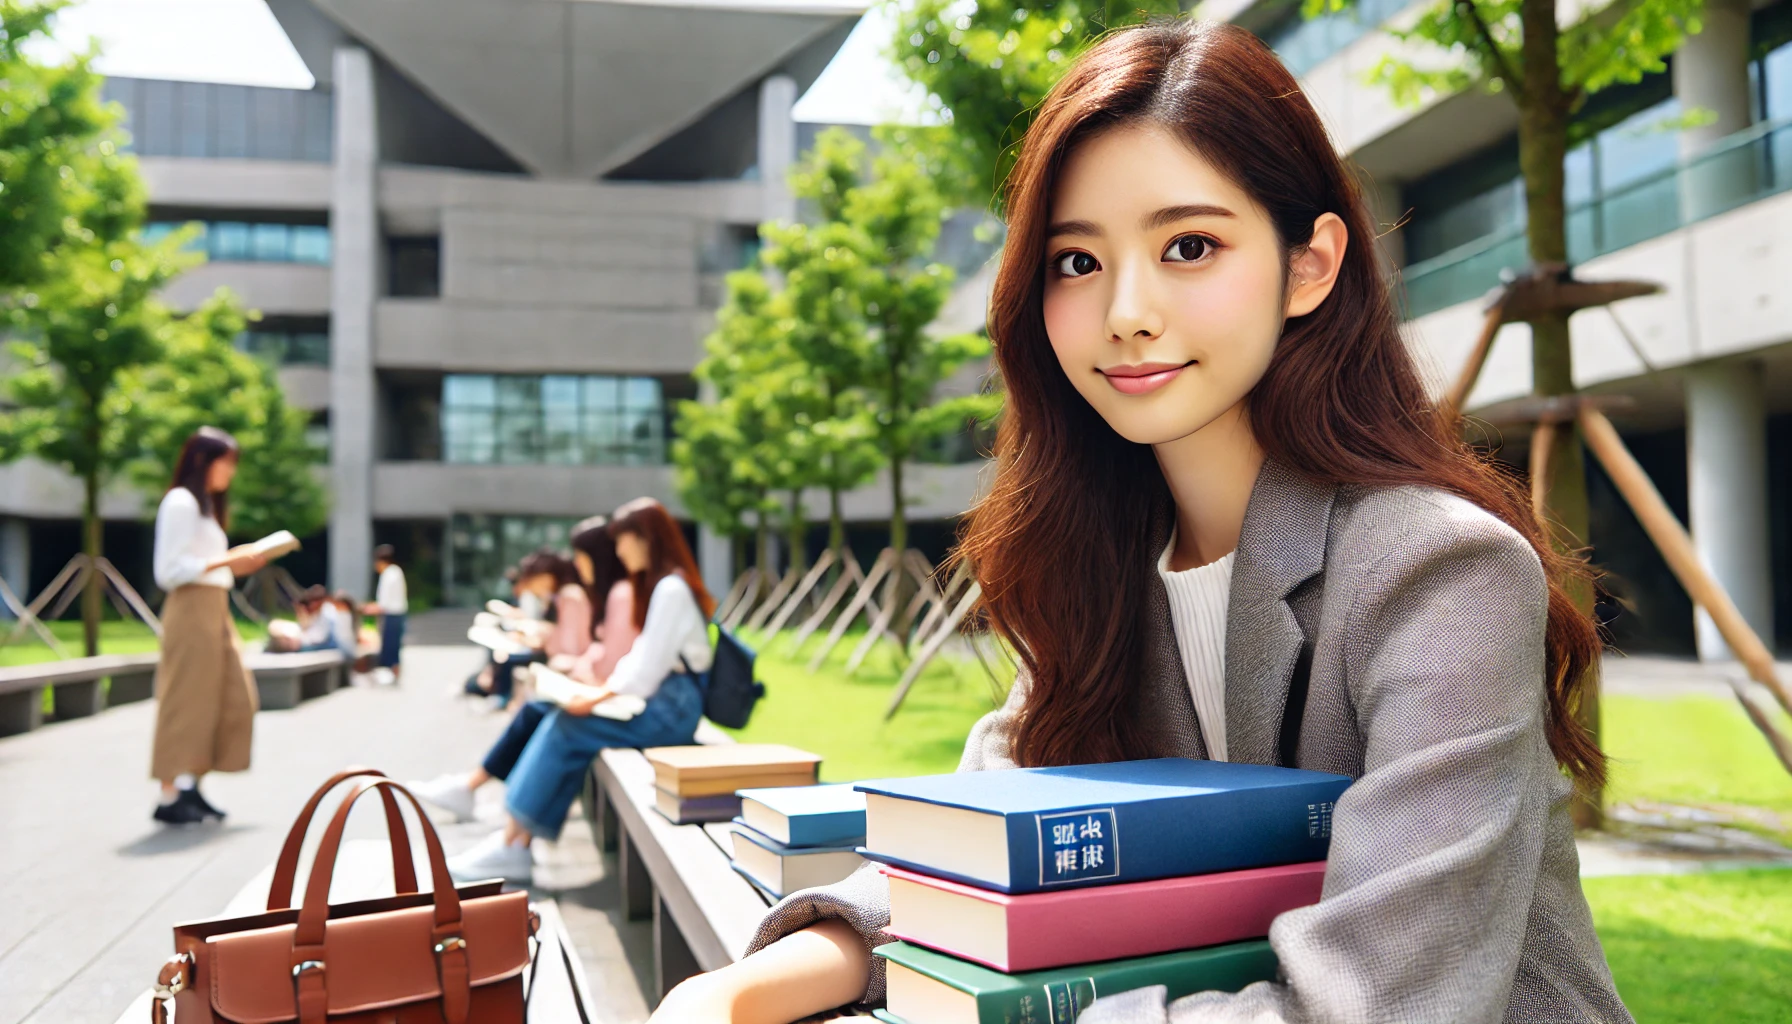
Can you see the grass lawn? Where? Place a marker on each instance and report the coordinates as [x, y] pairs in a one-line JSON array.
[[115, 638], [1692, 750], [1691, 949]]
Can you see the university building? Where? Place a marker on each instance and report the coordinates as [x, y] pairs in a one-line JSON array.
[[1704, 211], [486, 246]]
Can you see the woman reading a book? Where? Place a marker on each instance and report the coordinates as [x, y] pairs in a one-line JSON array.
[[1228, 522], [671, 610], [205, 697]]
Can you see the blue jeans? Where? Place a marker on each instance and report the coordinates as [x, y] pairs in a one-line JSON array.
[[391, 639], [501, 760], [551, 771]]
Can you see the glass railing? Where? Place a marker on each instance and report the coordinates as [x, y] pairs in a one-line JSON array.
[[1747, 166]]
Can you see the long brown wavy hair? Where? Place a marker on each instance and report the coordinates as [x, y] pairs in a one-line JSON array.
[[1340, 402], [667, 553]]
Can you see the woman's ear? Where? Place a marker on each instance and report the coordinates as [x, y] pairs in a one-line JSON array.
[[1314, 271]]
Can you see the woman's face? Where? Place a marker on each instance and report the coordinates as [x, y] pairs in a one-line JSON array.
[[587, 571], [218, 477], [541, 584], [632, 549], [1164, 284]]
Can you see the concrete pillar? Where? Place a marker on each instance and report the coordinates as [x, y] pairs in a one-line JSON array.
[[1711, 74], [15, 561], [715, 556], [354, 286], [1726, 481], [777, 146]]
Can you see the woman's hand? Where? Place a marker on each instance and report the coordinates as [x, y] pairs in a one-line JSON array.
[[584, 702], [240, 560]]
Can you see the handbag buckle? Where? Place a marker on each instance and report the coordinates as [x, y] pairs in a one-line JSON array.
[[172, 980], [306, 965], [449, 944]]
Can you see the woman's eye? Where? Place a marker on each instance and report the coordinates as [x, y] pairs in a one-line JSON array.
[[1188, 249], [1076, 264]]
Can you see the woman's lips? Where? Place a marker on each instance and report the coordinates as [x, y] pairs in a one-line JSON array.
[[1143, 378]]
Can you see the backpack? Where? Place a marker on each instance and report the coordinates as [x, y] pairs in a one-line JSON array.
[[731, 690]]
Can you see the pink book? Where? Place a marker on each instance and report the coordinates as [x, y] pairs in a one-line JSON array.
[[1074, 926]]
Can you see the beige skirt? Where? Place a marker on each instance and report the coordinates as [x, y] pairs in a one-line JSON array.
[[205, 697]]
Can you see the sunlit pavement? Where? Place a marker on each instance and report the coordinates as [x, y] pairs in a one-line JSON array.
[[90, 886]]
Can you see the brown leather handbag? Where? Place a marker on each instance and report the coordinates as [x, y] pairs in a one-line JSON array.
[[449, 956]]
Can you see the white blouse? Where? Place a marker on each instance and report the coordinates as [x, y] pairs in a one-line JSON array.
[[186, 542], [675, 628], [1199, 598]]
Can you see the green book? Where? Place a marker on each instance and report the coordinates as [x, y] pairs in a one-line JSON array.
[[926, 987]]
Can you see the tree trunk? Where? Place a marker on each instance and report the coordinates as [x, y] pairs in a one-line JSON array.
[[836, 521], [797, 533], [1542, 150], [91, 594], [738, 549]]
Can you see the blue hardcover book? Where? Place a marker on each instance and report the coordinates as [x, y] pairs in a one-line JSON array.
[[782, 870], [1036, 829], [806, 815]]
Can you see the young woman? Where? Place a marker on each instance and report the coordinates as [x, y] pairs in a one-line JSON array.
[[205, 698], [594, 556], [671, 609], [1228, 523], [554, 580]]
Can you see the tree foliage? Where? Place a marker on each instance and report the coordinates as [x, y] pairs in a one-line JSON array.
[[202, 379], [988, 68]]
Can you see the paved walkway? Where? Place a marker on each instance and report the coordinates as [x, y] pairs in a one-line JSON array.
[[89, 885]]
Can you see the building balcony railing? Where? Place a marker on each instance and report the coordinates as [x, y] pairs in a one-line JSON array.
[[1745, 167]]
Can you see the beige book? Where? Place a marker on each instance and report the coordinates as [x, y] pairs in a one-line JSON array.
[[729, 783], [678, 769], [280, 542], [558, 688]]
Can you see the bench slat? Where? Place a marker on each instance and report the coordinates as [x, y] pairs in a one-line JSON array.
[[716, 910]]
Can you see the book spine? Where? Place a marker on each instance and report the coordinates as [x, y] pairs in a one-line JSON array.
[[833, 829], [1061, 1000], [1182, 835]]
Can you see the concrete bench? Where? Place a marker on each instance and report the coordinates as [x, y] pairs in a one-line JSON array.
[[284, 679], [704, 913], [75, 686]]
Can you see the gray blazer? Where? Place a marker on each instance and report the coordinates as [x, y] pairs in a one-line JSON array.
[[1452, 890]]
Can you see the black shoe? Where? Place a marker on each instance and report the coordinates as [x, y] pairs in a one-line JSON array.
[[205, 806], [182, 810]]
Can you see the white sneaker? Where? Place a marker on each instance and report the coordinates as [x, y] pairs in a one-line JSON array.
[[384, 676], [449, 792], [493, 858]]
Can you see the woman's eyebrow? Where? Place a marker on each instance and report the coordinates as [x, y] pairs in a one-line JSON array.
[[1074, 227], [1171, 214]]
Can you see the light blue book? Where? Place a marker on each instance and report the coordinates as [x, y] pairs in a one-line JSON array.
[[806, 815]]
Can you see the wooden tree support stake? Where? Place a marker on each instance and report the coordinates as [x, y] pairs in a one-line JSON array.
[[774, 600], [748, 600], [933, 646], [886, 562], [735, 593], [850, 573], [1676, 548], [27, 619], [802, 591], [1543, 441]]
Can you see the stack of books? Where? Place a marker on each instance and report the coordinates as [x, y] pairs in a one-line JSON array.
[[1021, 896], [698, 783], [792, 838]]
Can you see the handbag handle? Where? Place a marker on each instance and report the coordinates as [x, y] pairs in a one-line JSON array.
[[308, 966], [286, 869]]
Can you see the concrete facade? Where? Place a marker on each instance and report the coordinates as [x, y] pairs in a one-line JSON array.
[[579, 192]]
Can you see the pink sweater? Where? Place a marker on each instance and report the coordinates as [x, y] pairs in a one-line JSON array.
[[616, 634], [572, 623]]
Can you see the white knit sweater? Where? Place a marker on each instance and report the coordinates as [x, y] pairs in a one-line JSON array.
[[1198, 602]]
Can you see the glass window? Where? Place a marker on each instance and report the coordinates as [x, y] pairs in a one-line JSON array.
[[229, 240], [557, 420], [205, 119], [310, 244], [268, 242]]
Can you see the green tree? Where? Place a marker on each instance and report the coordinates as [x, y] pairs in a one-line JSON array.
[[53, 128], [202, 378], [1522, 49], [989, 67], [822, 322], [896, 214], [90, 322]]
